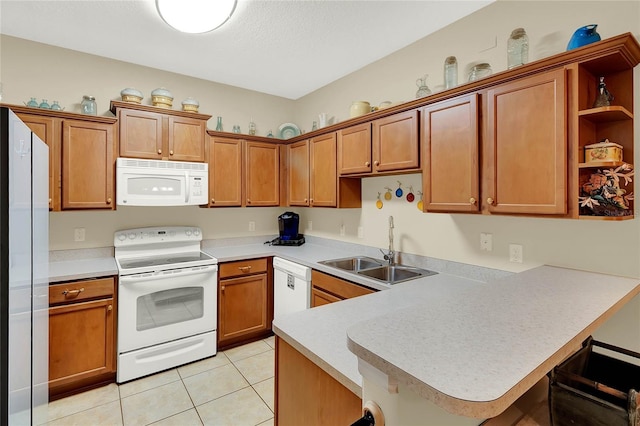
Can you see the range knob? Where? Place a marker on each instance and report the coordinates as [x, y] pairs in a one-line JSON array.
[[196, 232], [131, 235], [122, 237], [188, 232]]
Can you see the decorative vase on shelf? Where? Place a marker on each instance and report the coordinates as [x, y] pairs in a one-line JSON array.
[[583, 36], [450, 72], [423, 89], [603, 97], [219, 124]]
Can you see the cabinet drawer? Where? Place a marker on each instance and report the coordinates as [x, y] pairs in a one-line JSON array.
[[80, 290], [336, 286], [242, 267]]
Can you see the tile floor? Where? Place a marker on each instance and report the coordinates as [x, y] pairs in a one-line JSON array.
[[234, 388]]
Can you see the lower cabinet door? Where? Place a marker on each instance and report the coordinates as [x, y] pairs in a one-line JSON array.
[[319, 298], [81, 341], [243, 307]]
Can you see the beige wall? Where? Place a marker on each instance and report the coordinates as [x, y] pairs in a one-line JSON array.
[[33, 69]]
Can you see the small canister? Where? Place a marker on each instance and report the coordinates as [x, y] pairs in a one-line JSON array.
[[603, 151], [88, 105], [359, 108]]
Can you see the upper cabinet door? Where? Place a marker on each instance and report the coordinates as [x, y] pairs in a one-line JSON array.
[[186, 139], [141, 134], [262, 166], [450, 135], [88, 163], [225, 172], [354, 149], [395, 142], [48, 129], [299, 173], [526, 146], [323, 171]]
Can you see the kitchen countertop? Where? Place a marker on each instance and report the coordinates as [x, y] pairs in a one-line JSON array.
[[475, 349], [69, 270]]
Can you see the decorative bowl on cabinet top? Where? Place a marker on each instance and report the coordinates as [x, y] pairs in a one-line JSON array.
[[162, 98], [190, 105], [131, 95]]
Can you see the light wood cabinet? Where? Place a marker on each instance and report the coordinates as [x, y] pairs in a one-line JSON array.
[[306, 395], [354, 149], [525, 146], [312, 175], [88, 165], [48, 129], [395, 143], [386, 145], [591, 125], [225, 171], [160, 134], [262, 174], [298, 173], [82, 331], [326, 288], [245, 298], [82, 155], [450, 158]]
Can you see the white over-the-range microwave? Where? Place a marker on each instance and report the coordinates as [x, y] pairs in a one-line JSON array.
[[161, 183]]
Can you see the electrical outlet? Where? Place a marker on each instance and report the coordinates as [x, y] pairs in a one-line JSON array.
[[515, 253], [486, 241], [309, 226], [252, 226], [78, 234], [342, 230], [361, 231]]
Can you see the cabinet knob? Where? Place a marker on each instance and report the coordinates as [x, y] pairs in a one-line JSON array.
[[171, 152], [248, 201], [305, 200], [376, 163], [110, 308], [109, 200], [367, 164], [50, 200], [222, 289], [213, 200], [159, 151], [472, 201], [490, 201]]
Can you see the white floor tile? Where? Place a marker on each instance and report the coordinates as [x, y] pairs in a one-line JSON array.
[[214, 383], [258, 367], [206, 364], [246, 351], [186, 418], [107, 414], [149, 382], [83, 401], [155, 404], [242, 408], [266, 391]]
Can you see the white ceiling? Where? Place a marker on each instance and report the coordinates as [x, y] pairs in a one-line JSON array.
[[287, 48]]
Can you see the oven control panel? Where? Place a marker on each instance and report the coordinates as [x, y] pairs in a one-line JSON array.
[[153, 235]]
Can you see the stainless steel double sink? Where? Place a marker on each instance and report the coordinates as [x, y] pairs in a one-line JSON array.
[[378, 269]]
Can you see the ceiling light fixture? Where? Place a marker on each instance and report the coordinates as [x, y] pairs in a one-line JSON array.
[[195, 16]]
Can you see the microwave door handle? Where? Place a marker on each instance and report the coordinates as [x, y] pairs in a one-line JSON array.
[[187, 187]]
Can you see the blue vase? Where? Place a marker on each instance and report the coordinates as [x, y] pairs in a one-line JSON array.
[[583, 36]]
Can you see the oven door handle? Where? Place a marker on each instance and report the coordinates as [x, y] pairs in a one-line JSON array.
[[150, 276]]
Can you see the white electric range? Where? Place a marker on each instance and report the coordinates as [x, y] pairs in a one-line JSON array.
[[167, 299]]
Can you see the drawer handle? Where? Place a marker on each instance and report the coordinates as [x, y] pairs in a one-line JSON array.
[[73, 293], [245, 268]]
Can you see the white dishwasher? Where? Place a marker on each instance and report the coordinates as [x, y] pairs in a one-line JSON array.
[[291, 287]]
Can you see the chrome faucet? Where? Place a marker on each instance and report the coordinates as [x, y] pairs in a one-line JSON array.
[[391, 254]]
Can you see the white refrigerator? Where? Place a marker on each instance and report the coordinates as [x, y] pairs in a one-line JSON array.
[[24, 273]]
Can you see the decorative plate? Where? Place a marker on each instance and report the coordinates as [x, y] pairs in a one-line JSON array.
[[288, 130]]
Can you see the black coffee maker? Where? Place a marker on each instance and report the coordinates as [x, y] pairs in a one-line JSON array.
[[288, 224]]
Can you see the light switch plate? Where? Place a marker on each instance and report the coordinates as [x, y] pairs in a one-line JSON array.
[[78, 234], [252, 226]]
